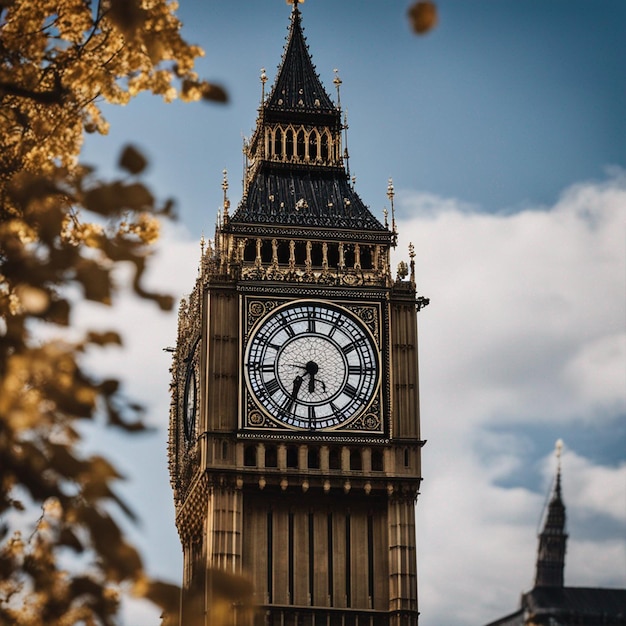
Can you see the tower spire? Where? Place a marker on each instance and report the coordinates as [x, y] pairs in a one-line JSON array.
[[553, 538]]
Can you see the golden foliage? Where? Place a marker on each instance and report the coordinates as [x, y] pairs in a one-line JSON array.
[[423, 17], [62, 231]]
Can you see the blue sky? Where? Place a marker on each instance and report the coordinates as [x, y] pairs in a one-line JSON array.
[[504, 130]]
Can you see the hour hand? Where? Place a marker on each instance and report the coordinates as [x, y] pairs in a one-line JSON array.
[[297, 383]]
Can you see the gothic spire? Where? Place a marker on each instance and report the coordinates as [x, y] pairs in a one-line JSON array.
[[297, 87], [553, 538]]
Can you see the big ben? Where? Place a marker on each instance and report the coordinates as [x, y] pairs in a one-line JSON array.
[[295, 445]]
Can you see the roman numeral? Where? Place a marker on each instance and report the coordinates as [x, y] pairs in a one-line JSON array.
[[261, 367], [337, 323], [287, 406], [354, 345], [350, 391], [272, 386]]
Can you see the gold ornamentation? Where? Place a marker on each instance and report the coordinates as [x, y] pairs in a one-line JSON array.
[[255, 418], [371, 422]]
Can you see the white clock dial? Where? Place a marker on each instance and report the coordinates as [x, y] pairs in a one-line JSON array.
[[312, 365]]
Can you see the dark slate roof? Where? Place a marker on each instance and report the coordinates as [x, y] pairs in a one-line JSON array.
[[307, 196], [569, 605], [579, 601], [514, 619], [297, 86]]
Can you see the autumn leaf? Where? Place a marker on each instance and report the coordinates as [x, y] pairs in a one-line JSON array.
[[132, 160], [422, 17]]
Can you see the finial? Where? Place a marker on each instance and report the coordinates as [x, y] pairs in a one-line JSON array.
[[337, 82], [386, 214], [346, 154], [390, 194], [225, 189], [263, 81], [412, 263], [202, 259], [558, 451], [295, 3]]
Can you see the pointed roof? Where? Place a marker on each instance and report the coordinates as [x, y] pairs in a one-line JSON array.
[[553, 538], [297, 86], [554, 523]]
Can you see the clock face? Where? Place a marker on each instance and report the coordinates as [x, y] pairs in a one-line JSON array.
[[190, 404], [312, 365]]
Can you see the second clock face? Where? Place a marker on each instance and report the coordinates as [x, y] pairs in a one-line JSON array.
[[312, 365], [190, 405]]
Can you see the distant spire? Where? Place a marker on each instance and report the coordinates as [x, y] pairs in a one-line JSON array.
[[263, 81], [553, 538], [226, 201], [390, 194], [412, 263]]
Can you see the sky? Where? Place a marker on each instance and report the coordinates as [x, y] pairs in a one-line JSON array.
[[505, 134]]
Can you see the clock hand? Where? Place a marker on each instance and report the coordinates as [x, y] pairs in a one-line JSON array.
[[311, 369], [297, 383], [321, 382], [293, 396]]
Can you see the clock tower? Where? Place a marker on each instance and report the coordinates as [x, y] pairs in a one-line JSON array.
[[295, 442]]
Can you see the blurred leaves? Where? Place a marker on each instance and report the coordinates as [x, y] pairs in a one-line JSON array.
[[63, 231], [422, 17]]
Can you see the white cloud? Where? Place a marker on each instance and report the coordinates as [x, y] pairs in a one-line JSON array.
[[597, 373], [595, 489], [525, 329]]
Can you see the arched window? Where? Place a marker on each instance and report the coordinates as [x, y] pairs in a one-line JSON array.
[[300, 145], [366, 258], [313, 458], [316, 255], [289, 144], [333, 255], [348, 256], [377, 461], [325, 146], [314, 140], [278, 142], [249, 456], [266, 251], [283, 252], [355, 459], [334, 458], [249, 252], [271, 458], [300, 252], [292, 456]]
